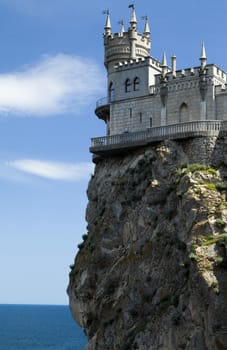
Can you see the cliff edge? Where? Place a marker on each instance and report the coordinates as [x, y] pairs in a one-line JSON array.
[[151, 274]]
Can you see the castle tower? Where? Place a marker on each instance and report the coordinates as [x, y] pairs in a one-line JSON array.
[[131, 73], [123, 46]]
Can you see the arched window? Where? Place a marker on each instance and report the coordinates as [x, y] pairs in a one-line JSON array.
[[128, 85], [136, 82], [111, 92], [184, 113]]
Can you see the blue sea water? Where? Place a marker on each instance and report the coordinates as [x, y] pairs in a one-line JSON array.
[[39, 327]]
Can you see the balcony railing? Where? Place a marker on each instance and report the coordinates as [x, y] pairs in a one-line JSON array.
[[102, 102], [173, 131]]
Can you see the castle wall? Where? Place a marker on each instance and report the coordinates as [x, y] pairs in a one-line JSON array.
[[135, 114], [131, 72], [183, 102], [221, 106], [160, 96]]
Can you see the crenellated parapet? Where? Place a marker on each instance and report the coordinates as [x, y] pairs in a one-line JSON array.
[[190, 78], [138, 62]]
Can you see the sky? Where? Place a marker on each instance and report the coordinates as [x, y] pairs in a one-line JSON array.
[[51, 74]]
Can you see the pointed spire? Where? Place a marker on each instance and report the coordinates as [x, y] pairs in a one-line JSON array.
[[203, 52], [108, 24], [133, 21], [203, 57], [164, 60], [164, 65], [146, 27], [122, 26]]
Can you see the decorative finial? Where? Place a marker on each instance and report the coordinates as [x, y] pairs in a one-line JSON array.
[[122, 26], [203, 51], [108, 24], [133, 21], [164, 65], [203, 57], [146, 27], [164, 61], [106, 12]]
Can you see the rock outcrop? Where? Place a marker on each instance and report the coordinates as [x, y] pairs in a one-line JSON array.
[[151, 273]]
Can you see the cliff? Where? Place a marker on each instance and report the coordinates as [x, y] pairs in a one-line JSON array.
[[151, 273]]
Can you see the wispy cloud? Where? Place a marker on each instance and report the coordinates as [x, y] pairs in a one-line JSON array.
[[55, 85], [53, 170]]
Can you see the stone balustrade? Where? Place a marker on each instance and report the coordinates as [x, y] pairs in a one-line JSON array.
[[100, 145]]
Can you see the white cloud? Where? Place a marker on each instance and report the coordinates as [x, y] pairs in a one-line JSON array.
[[54, 170], [55, 85]]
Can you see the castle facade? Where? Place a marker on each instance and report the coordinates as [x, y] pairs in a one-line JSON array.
[[143, 92]]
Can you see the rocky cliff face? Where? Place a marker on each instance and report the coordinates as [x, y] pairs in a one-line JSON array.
[[151, 273]]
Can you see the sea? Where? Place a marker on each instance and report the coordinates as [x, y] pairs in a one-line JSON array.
[[39, 327]]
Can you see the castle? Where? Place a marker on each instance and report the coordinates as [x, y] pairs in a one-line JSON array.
[[147, 100]]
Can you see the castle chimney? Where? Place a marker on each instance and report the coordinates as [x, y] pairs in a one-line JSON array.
[[174, 65]]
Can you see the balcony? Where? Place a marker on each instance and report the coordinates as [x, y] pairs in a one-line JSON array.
[[102, 109], [117, 143]]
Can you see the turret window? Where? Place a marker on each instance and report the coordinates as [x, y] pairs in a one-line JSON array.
[[136, 83], [128, 85], [111, 92]]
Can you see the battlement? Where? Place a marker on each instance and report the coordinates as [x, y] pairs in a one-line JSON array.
[[211, 70], [142, 61], [114, 37]]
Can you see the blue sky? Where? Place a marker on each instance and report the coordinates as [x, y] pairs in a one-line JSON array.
[[51, 74]]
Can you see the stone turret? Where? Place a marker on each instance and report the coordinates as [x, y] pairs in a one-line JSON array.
[[124, 46]]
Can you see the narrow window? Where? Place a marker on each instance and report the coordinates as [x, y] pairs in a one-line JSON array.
[[136, 82], [111, 92], [130, 112], [151, 122], [141, 118], [128, 85]]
